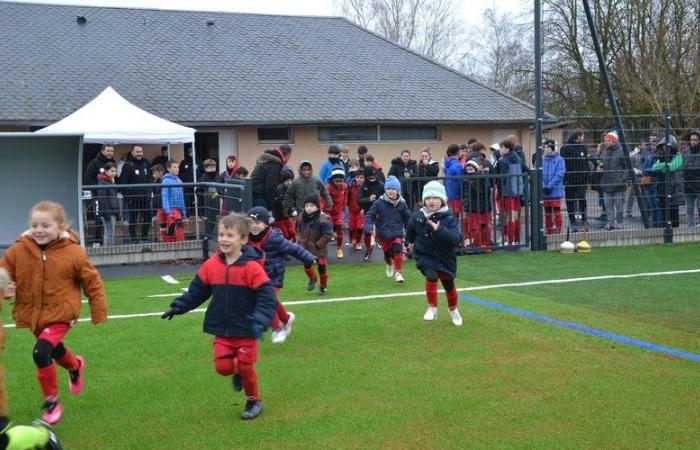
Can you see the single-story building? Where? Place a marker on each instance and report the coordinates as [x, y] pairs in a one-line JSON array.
[[246, 82]]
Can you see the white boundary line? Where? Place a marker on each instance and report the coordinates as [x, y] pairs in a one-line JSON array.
[[413, 294]]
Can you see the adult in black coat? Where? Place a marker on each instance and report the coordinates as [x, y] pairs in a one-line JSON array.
[[576, 179], [403, 168], [187, 176], [94, 168], [135, 171], [162, 159], [266, 175]]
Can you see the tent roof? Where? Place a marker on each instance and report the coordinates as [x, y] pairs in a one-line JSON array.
[[109, 117]]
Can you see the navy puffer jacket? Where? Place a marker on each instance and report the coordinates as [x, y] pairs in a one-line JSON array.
[[434, 249], [276, 247], [390, 218]]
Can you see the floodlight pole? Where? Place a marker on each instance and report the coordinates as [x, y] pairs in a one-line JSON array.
[[616, 114], [538, 240]]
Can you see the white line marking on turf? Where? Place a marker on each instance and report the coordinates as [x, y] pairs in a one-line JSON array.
[[413, 294], [170, 279]]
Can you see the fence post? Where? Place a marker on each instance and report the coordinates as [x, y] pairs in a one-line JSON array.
[[205, 247], [668, 229], [247, 195]]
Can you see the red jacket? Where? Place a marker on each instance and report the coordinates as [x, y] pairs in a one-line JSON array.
[[339, 197], [353, 197]]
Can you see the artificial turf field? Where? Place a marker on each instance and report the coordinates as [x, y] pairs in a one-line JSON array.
[[373, 374]]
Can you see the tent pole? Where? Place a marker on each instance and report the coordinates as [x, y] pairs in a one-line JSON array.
[[169, 157], [194, 192]]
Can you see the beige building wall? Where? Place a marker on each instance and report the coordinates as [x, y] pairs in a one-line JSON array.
[[306, 146]]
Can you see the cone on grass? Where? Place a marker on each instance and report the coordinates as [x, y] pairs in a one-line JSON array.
[[567, 246]]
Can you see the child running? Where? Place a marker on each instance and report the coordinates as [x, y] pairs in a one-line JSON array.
[[49, 268], [314, 232], [433, 234], [242, 306], [370, 190], [356, 215], [391, 216], [40, 434], [338, 191], [273, 243]]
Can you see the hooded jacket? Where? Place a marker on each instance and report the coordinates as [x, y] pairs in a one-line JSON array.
[[402, 170], [453, 186], [314, 234], [390, 217], [135, 171], [691, 167], [614, 170], [237, 291], [434, 249], [173, 197], [432, 169], [301, 188], [326, 169], [107, 200], [576, 162], [512, 185], [266, 176], [49, 280], [367, 189], [276, 247], [553, 173]]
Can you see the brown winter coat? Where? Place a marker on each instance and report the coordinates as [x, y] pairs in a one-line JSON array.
[[49, 281], [315, 236]]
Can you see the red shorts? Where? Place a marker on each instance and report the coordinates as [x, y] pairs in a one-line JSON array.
[[54, 333], [286, 227], [455, 206], [511, 204], [387, 243], [245, 349], [554, 203], [336, 219], [356, 221]]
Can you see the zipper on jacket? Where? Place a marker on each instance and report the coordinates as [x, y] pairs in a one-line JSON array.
[[43, 282]]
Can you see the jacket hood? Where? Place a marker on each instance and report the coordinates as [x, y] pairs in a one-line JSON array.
[[672, 143], [103, 177], [427, 212], [450, 162], [269, 156]]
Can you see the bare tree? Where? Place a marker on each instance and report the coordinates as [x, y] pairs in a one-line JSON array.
[[430, 27]]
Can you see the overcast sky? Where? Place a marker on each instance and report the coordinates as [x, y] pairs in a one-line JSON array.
[[470, 10]]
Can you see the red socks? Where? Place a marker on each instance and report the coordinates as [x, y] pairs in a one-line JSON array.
[[310, 272], [398, 261], [47, 381], [324, 280], [368, 242], [281, 312], [68, 361], [358, 235], [452, 299], [339, 238], [431, 290], [249, 379]]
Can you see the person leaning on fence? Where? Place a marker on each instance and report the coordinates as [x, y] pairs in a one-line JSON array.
[[553, 173], [108, 203], [613, 181], [453, 183], [173, 216], [672, 159], [691, 174], [511, 188], [267, 173], [210, 197], [476, 224], [576, 178], [135, 171]]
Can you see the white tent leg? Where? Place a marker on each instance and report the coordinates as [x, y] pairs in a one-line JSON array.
[[194, 191]]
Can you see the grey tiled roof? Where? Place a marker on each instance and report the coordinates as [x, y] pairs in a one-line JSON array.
[[245, 69]]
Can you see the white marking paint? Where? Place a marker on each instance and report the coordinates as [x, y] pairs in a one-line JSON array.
[[169, 279], [417, 293]]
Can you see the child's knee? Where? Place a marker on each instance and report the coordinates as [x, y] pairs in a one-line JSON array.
[[42, 353]]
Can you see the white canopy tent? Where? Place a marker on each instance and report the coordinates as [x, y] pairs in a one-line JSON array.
[[110, 118]]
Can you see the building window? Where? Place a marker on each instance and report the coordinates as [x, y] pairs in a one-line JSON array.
[[419, 133], [347, 134], [275, 135]]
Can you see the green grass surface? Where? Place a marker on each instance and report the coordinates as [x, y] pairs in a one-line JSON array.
[[372, 374]]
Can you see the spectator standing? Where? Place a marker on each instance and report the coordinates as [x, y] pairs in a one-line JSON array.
[[157, 172], [453, 185], [518, 148], [553, 173], [162, 159], [267, 175], [187, 165], [477, 207], [613, 181], [174, 206], [649, 183], [576, 178], [511, 189], [135, 171], [95, 168], [691, 174], [427, 168], [674, 161], [211, 198], [403, 168], [108, 203]]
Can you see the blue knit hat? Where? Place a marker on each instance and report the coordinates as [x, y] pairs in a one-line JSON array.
[[392, 183], [434, 189]]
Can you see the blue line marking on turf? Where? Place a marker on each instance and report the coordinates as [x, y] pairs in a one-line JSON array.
[[584, 329]]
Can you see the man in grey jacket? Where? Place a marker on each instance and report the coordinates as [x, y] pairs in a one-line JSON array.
[[614, 180]]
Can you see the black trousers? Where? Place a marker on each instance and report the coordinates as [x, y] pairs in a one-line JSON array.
[[139, 212]]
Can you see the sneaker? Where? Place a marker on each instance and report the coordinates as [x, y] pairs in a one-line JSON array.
[[368, 256], [431, 313], [253, 408], [321, 290], [399, 277], [389, 270], [287, 327], [278, 336], [348, 244], [358, 246], [75, 376], [52, 411], [312, 284], [237, 382], [53, 443], [339, 253], [456, 318]]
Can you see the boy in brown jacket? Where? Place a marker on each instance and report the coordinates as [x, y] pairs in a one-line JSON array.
[[314, 232], [49, 268]]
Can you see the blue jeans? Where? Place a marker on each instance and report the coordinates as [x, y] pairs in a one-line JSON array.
[[649, 195], [691, 200]]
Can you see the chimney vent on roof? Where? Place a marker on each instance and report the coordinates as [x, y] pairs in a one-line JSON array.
[[81, 20], [210, 22]]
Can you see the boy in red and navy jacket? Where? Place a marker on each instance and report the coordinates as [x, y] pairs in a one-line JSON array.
[[356, 215], [242, 305], [338, 191]]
